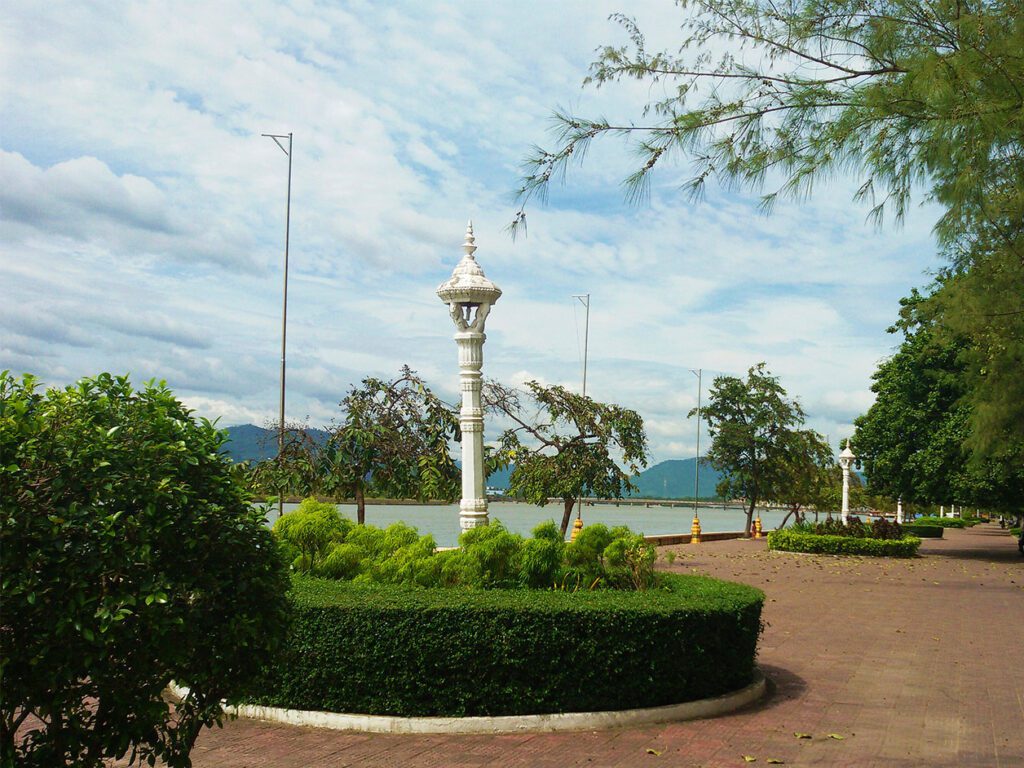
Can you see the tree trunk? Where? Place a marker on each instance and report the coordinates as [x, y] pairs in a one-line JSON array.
[[786, 518], [567, 504], [750, 518], [360, 505]]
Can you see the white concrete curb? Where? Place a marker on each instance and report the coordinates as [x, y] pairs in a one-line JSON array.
[[568, 721]]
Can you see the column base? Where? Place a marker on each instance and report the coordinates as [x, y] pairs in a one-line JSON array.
[[472, 520]]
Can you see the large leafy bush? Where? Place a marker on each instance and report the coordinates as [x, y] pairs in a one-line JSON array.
[[384, 649], [130, 557]]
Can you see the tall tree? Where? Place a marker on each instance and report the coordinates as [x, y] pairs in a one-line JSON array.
[[912, 439], [294, 469], [393, 440], [756, 440], [807, 475], [903, 94], [564, 445]]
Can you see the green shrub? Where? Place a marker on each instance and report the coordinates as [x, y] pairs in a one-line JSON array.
[[923, 531], [540, 559], [412, 564], [131, 556], [343, 561], [1015, 532], [629, 562], [315, 540], [789, 540], [880, 528], [452, 652], [491, 556], [311, 529], [945, 522]]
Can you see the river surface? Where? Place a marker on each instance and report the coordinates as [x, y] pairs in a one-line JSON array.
[[443, 520]]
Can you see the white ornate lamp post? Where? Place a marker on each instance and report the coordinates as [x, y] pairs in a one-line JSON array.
[[899, 510], [844, 461], [469, 296]]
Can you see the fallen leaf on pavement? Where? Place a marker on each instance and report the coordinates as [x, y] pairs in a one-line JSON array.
[[654, 752], [836, 736], [802, 735]]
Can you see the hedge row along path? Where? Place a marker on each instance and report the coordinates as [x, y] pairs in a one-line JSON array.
[[912, 662]]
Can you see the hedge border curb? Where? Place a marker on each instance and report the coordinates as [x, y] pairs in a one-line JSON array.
[[567, 721]]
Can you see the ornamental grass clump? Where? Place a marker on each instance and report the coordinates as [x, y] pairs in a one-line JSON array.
[[316, 540]]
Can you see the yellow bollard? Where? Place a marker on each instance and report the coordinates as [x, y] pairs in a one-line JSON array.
[[695, 531], [576, 528], [757, 527]]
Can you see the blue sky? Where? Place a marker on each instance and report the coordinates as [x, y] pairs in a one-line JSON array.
[[143, 215]]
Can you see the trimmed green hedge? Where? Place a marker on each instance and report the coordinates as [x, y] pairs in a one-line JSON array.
[[382, 649], [946, 522], [923, 531], [795, 541]]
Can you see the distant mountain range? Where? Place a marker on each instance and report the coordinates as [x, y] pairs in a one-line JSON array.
[[672, 479], [247, 442]]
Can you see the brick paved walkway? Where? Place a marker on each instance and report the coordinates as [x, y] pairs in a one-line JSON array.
[[911, 663]]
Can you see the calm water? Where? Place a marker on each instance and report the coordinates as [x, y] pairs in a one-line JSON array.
[[443, 521]]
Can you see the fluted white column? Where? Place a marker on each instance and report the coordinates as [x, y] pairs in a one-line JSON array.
[[845, 459], [473, 506]]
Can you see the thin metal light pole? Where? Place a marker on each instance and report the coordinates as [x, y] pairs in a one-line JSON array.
[[284, 306], [584, 299], [696, 472]]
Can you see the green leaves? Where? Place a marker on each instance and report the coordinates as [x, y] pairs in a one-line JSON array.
[[904, 95], [914, 438], [757, 441], [565, 444], [789, 540], [368, 648], [393, 442], [129, 552]]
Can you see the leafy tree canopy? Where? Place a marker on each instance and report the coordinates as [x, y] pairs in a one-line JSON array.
[[295, 469], [912, 439], [758, 443], [564, 445], [131, 557], [393, 440], [904, 95]]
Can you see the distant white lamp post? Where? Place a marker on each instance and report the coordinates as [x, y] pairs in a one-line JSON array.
[[899, 510], [845, 458], [469, 296]]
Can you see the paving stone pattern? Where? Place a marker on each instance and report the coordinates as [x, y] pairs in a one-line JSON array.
[[906, 662]]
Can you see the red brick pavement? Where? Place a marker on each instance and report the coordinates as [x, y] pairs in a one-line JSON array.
[[911, 663]]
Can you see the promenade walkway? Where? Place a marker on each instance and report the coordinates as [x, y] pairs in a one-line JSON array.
[[882, 662]]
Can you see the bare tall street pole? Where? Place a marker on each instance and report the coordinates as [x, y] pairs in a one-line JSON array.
[[284, 308], [584, 299], [696, 472]]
